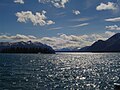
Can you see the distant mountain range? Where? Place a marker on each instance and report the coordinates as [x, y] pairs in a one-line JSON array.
[[110, 45], [25, 47]]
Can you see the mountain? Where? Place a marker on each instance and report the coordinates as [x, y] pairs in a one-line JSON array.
[[67, 49], [63, 50], [110, 45], [25, 47]]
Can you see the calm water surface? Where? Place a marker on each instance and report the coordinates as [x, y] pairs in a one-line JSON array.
[[62, 71]]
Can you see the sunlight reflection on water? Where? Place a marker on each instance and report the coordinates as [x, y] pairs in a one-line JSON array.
[[84, 71]]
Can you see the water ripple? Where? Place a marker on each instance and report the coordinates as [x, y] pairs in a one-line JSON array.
[[72, 71]]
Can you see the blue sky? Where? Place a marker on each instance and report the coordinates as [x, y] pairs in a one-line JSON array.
[[55, 18]]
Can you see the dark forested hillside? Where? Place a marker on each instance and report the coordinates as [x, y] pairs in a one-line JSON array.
[[25, 47]]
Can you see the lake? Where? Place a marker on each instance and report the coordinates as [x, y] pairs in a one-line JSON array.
[[61, 71]]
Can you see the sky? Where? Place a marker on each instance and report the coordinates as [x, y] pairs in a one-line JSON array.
[[59, 23]]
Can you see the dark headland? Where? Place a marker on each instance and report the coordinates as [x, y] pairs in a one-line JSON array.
[[25, 47]]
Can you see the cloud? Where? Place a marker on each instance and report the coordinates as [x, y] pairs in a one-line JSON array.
[[109, 34], [81, 19], [43, 1], [49, 22], [76, 12], [37, 18], [113, 19], [56, 3], [56, 28], [18, 37], [80, 25], [61, 14], [108, 6], [73, 41], [113, 27], [19, 1], [62, 40]]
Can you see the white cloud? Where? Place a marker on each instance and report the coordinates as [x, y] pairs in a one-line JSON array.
[[56, 28], [113, 19], [80, 25], [61, 14], [56, 3], [81, 19], [108, 33], [76, 12], [108, 6], [73, 41], [43, 1], [19, 1], [63, 40], [49, 22], [113, 27], [18, 37], [37, 18]]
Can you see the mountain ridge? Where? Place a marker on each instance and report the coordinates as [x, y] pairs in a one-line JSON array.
[[112, 44], [25, 47]]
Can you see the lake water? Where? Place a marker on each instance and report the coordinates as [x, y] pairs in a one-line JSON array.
[[62, 71]]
